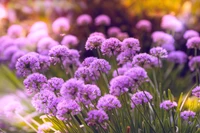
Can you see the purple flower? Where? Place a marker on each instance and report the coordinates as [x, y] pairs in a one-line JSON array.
[[193, 42], [70, 41], [185, 115], [58, 53], [160, 38], [138, 76], [100, 65], [111, 46], [102, 20], [179, 57], [196, 92], [35, 37], [144, 25], [45, 63], [159, 52], [72, 58], [60, 25], [15, 31], [170, 22], [39, 26], [120, 85], [85, 74], [96, 118], [45, 44], [122, 35], [21, 42], [34, 83], [71, 88], [143, 60], [140, 98], [97, 34], [54, 84], [168, 47], [65, 108], [190, 33], [9, 52], [27, 64], [194, 63], [87, 61], [120, 70], [108, 102], [94, 42], [84, 19], [113, 31], [15, 57], [89, 93], [131, 43], [167, 104], [45, 102], [126, 56]]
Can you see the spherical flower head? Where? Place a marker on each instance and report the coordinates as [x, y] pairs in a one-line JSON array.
[[70, 41], [102, 20], [45, 101], [87, 61], [190, 33], [45, 44], [9, 52], [108, 102], [60, 25], [131, 43], [193, 43], [58, 53], [196, 92], [168, 47], [159, 52], [84, 19], [100, 65], [186, 115], [138, 75], [120, 71], [160, 38], [72, 58], [94, 42], [170, 22], [45, 127], [15, 57], [65, 108], [126, 56], [167, 105], [144, 25], [38, 26], [178, 57], [35, 37], [12, 108], [120, 85], [71, 88], [97, 34], [194, 63], [122, 35], [96, 118], [140, 98], [15, 31], [27, 64], [21, 42], [113, 31], [54, 84], [111, 47], [85, 74], [34, 83], [89, 93], [144, 60]]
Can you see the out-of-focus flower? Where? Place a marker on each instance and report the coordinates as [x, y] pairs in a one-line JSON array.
[[126, 56], [144, 25], [140, 98], [159, 52], [70, 41], [120, 71], [45, 127], [167, 105], [94, 42], [113, 31], [15, 57], [196, 92], [160, 38], [194, 63], [168, 47], [108, 102], [65, 108], [122, 35], [15, 31], [35, 37], [131, 43], [179, 57], [111, 47], [60, 25], [185, 115], [102, 20], [13, 107], [84, 19], [170, 22], [97, 34], [39, 26], [87, 61], [120, 85], [190, 33], [21, 42], [100, 65], [193, 42]]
